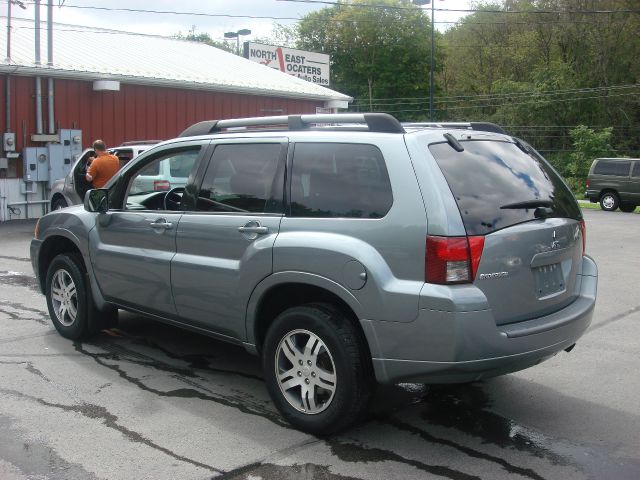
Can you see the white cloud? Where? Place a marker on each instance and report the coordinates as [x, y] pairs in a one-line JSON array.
[[168, 24]]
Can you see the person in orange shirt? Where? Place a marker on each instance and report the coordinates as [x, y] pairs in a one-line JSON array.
[[101, 167]]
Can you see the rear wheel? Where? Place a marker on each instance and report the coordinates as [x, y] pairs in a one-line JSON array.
[[316, 369], [627, 208], [609, 201]]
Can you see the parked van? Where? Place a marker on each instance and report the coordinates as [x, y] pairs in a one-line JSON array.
[[614, 182]]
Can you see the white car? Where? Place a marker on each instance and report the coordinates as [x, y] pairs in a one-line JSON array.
[[71, 189]]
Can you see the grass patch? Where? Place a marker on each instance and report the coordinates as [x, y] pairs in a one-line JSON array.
[[596, 206]]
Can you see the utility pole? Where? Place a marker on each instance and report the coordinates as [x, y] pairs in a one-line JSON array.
[[433, 29], [432, 67]]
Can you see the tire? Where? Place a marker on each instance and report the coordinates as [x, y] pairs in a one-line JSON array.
[[609, 201], [337, 368], [627, 208], [59, 203], [69, 300]]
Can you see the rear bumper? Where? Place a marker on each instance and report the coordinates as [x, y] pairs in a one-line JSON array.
[[456, 347]]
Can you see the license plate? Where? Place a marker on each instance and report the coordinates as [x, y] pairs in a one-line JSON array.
[[549, 279]]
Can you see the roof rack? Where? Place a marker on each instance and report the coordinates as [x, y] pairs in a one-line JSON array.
[[479, 126], [376, 122], [139, 142]]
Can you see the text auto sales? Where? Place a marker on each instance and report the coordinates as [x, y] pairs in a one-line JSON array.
[[294, 65]]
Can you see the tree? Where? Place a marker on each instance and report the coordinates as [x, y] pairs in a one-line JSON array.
[[541, 67], [206, 38], [379, 52], [588, 145]]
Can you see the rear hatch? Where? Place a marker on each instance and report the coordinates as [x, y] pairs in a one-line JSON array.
[[530, 221]]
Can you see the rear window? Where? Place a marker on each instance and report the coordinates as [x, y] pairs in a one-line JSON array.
[[488, 175], [636, 170], [608, 167]]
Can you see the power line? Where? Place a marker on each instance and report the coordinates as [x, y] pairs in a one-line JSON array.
[[461, 10], [491, 96], [298, 19], [507, 104]]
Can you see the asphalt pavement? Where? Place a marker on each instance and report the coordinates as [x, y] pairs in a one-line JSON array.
[[149, 401]]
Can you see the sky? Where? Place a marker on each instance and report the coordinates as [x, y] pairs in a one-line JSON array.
[[92, 13]]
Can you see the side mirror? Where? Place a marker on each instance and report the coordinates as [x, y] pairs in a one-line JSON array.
[[97, 200]]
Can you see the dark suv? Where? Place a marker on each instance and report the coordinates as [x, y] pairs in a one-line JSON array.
[[615, 183], [342, 249]]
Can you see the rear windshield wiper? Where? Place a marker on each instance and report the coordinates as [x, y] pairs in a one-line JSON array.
[[528, 204]]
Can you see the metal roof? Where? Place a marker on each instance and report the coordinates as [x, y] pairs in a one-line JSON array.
[[99, 54]]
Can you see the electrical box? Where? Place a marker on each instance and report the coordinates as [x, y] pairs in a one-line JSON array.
[[63, 155], [9, 142], [59, 166], [4, 163], [35, 161]]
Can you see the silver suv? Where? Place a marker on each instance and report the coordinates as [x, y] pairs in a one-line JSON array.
[[342, 249], [71, 189]]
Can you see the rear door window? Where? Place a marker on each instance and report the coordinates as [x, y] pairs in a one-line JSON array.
[[636, 169], [608, 167], [489, 175], [243, 178], [339, 180]]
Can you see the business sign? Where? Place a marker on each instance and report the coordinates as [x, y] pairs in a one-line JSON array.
[[310, 66]]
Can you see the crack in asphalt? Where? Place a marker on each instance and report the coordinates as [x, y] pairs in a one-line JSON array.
[[272, 457], [356, 453], [226, 401], [382, 454], [270, 471], [471, 452], [28, 337], [615, 318], [43, 319], [465, 408], [19, 279], [92, 411], [195, 361], [29, 366], [19, 259]]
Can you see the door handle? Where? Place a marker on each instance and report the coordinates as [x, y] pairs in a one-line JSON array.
[[254, 229], [161, 223]]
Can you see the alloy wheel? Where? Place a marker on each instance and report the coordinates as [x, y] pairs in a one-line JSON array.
[[64, 297], [305, 371]]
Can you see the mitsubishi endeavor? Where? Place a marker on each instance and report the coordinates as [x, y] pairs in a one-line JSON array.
[[344, 250]]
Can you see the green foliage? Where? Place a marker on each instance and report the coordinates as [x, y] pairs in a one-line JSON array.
[[537, 67], [380, 56], [558, 69], [588, 145]]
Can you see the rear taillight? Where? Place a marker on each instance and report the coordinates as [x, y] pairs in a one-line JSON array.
[[161, 185], [588, 183], [583, 232], [452, 259]]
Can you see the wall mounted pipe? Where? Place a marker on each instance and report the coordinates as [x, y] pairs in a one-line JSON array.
[[52, 125], [38, 80]]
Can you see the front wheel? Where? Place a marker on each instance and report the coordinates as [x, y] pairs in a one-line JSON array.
[[316, 369], [71, 307], [609, 201], [627, 208]]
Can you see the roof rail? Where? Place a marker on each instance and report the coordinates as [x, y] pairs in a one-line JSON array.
[[376, 122], [139, 142], [479, 126]]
